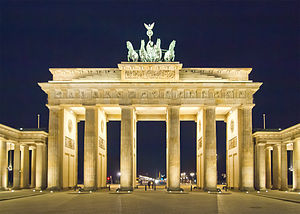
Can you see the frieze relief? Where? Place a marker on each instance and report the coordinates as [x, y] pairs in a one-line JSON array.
[[69, 143], [101, 143], [200, 143], [163, 93], [232, 143], [149, 74]]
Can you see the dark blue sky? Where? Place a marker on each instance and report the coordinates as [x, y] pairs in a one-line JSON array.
[[36, 35]]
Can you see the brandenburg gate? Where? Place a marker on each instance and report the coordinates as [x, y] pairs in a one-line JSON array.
[[149, 87]]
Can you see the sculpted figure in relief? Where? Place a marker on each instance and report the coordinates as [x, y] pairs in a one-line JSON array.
[[132, 55], [170, 54]]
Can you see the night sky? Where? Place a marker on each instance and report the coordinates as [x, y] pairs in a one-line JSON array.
[[36, 35]]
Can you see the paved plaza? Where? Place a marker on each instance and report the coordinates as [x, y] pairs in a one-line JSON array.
[[149, 202]]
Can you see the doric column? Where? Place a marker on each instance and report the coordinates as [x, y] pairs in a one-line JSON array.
[[90, 148], [260, 167], [55, 144], [25, 167], [209, 149], [284, 180], [276, 166], [127, 140], [246, 154], [296, 165], [173, 148], [33, 167], [268, 168], [3, 165], [17, 167], [39, 166]]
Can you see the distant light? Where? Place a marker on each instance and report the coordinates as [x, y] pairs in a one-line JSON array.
[[208, 192], [90, 191], [51, 191], [180, 190], [192, 174], [279, 129], [128, 191], [286, 191], [21, 129], [33, 190], [78, 191], [41, 190], [119, 174], [247, 192], [13, 191], [258, 191], [266, 190]]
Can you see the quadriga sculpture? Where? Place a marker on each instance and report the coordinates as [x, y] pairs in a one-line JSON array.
[[132, 55], [170, 54]]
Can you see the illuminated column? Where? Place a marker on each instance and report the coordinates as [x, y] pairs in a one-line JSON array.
[[173, 148], [246, 154], [296, 165], [33, 167], [90, 148], [25, 167], [39, 166], [284, 181], [17, 167], [276, 166], [199, 150], [3, 164], [260, 167], [268, 168], [210, 149], [55, 144], [127, 139]]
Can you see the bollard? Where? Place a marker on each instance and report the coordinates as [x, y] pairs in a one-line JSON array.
[[191, 188], [145, 187], [108, 187], [154, 187]]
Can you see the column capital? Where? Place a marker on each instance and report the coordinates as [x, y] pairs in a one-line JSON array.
[[90, 106], [246, 106], [54, 107]]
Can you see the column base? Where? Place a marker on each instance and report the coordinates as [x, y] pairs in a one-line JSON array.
[[16, 188], [284, 189], [247, 189], [125, 189], [210, 189], [3, 189], [52, 188], [296, 190], [89, 188], [175, 189]]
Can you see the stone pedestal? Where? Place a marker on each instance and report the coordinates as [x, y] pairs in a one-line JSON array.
[[296, 165], [126, 164], [55, 144], [246, 155], [173, 149], [276, 167], [260, 167], [209, 149], [268, 168], [17, 167], [90, 148], [33, 167], [284, 179], [3, 165]]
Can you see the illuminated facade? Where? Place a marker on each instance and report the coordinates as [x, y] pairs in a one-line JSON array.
[[145, 91], [279, 142], [16, 147]]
